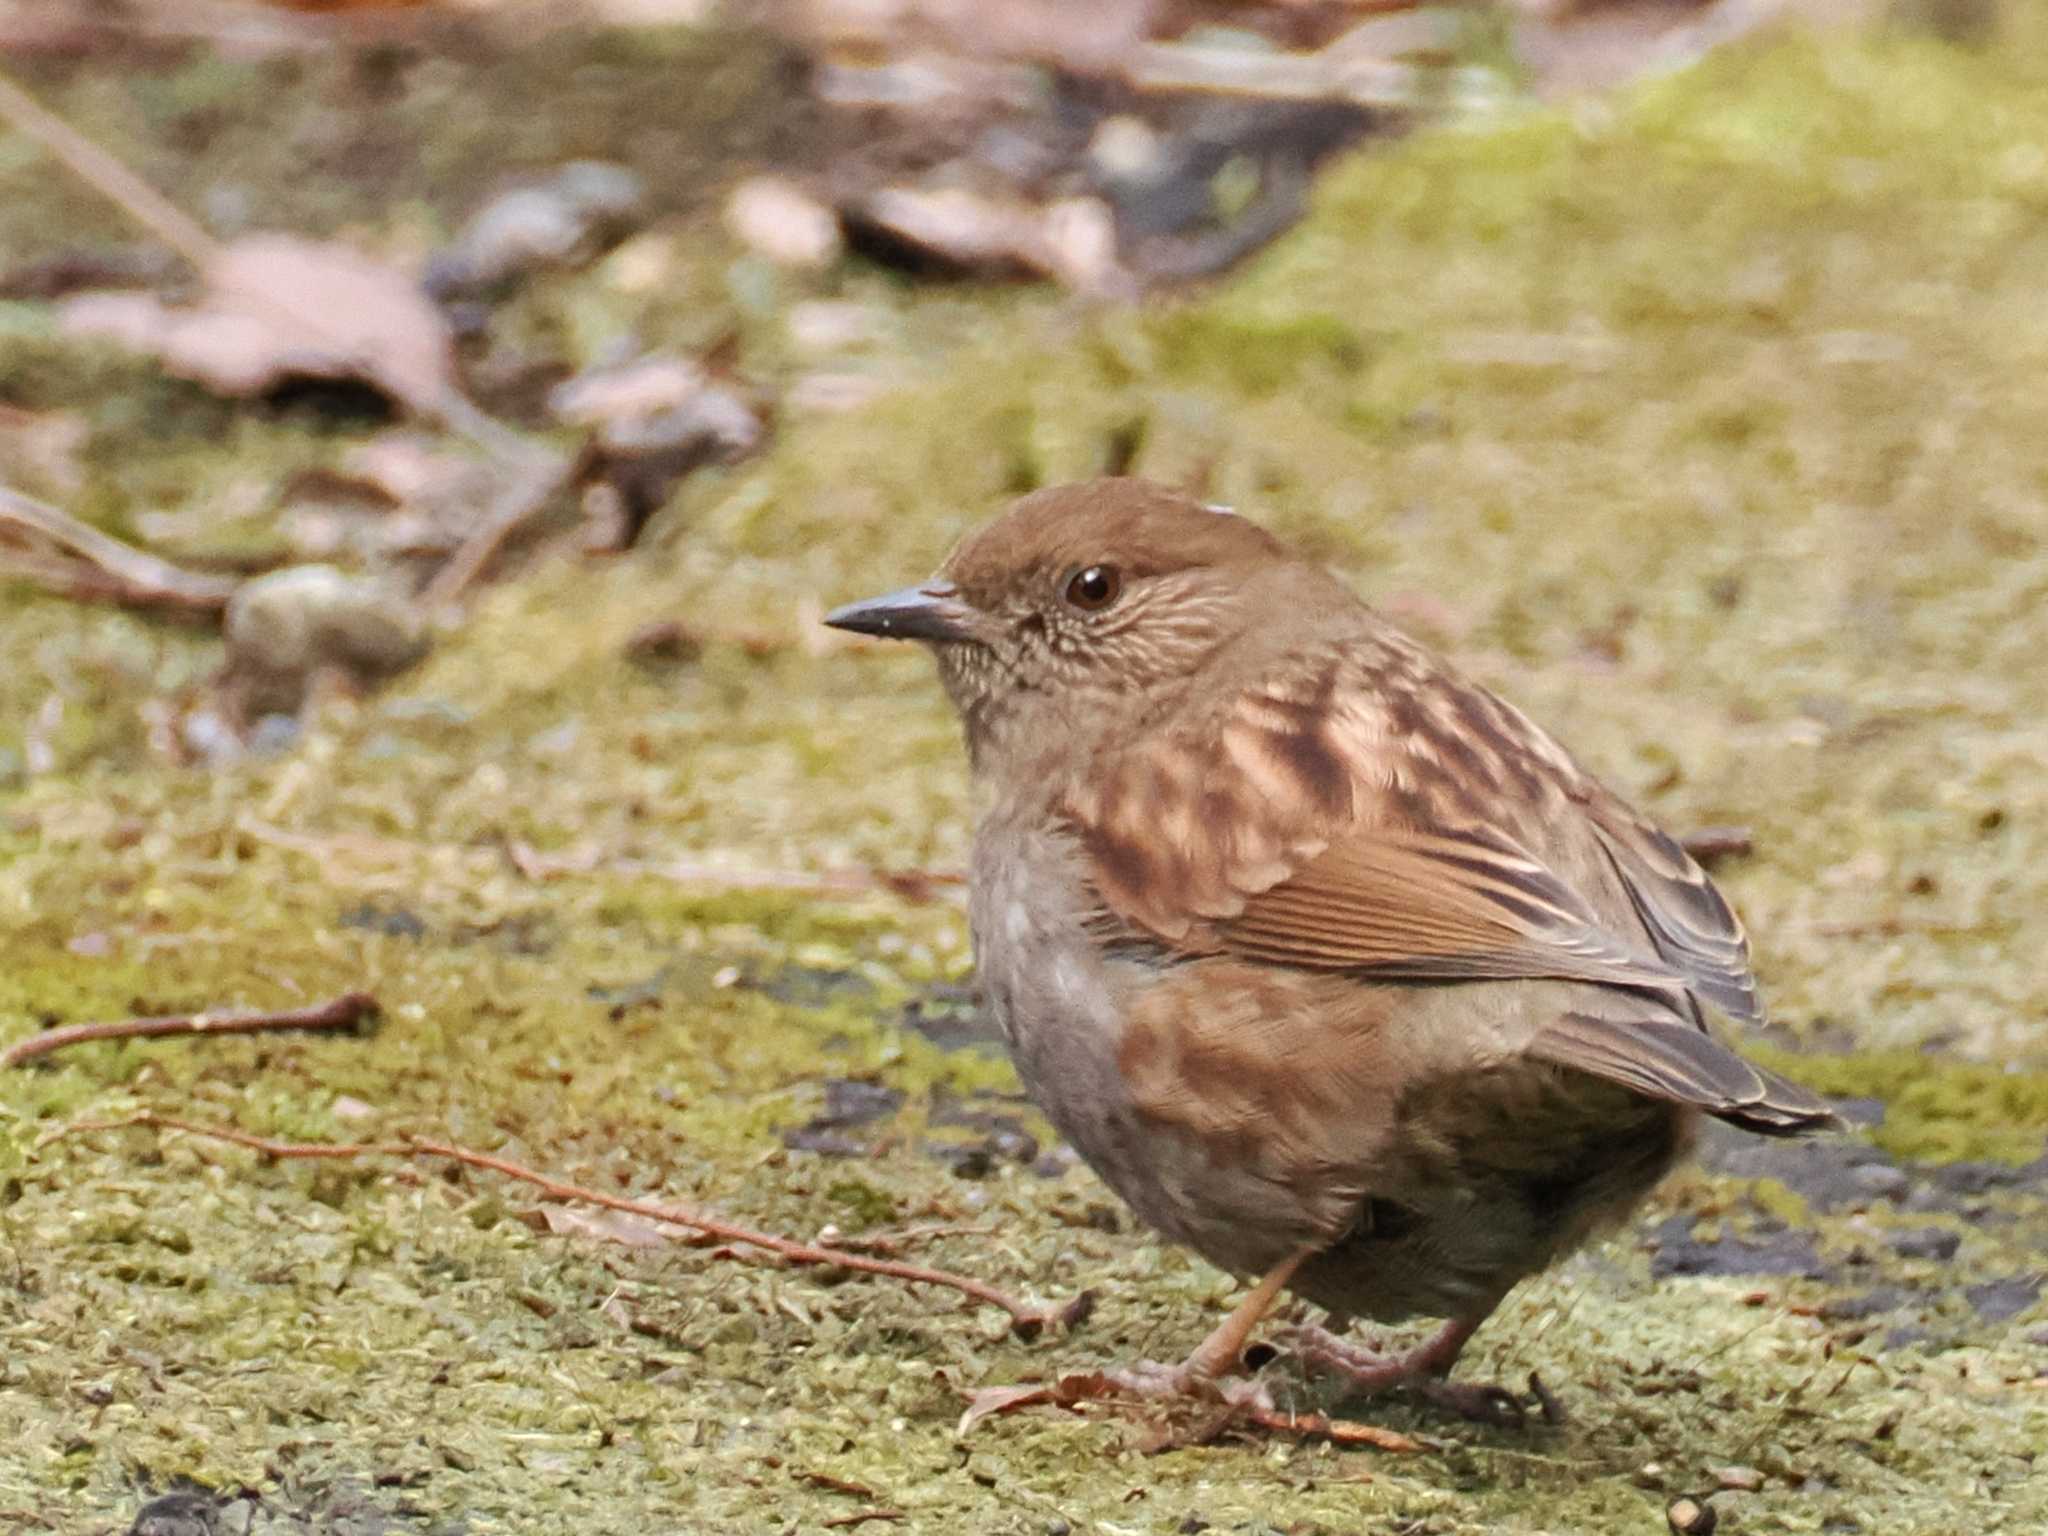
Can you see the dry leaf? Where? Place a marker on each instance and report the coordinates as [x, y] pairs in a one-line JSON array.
[[278, 307], [1066, 1392], [1073, 240], [607, 1226]]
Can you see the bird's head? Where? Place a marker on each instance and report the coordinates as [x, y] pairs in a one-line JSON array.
[[1085, 605]]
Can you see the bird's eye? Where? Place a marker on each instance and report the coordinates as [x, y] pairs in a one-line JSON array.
[[1094, 588]]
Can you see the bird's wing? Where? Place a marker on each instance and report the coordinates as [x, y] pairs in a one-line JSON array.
[[1688, 923], [1374, 813]]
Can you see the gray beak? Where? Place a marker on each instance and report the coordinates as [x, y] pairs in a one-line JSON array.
[[930, 611]]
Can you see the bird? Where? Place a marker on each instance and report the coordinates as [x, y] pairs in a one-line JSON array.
[[1331, 963]]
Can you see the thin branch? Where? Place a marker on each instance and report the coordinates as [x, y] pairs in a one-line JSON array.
[[108, 176], [1318, 1426], [110, 568], [1245, 1403], [1026, 1320], [338, 1013]]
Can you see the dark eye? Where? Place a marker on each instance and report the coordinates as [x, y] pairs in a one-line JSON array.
[[1093, 589]]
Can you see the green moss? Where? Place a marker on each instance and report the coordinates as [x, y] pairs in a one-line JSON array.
[[1695, 423], [1935, 1110]]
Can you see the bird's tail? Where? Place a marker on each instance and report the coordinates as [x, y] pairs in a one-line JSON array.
[[1666, 1058]]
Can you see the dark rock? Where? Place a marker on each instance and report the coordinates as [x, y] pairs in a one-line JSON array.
[[1828, 1175], [848, 1102], [972, 1161], [953, 1019], [1874, 1302], [1937, 1243], [1917, 1335], [809, 986], [1782, 1252], [1997, 1300], [175, 1514], [1884, 1181], [1006, 1137], [824, 1142], [1963, 1179]]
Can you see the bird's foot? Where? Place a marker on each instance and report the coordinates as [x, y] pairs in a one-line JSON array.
[[1221, 1354], [1367, 1371]]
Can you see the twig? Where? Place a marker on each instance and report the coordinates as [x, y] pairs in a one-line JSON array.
[[108, 176], [1318, 1426], [859, 1515], [111, 569], [1246, 1407], [517, 506], [1026, 1320], [337, 1013]]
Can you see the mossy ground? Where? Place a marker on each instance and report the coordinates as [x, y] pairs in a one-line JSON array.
[[1707, 421]]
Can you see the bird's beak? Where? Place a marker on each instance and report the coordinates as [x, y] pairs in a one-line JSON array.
[[930, 611]]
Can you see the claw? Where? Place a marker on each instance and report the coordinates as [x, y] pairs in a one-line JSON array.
[[1422, 1369]]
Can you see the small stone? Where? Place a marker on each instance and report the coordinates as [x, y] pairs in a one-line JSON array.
[[550, 223], [782, 223], [1689, 1517], [635, 390], [287, 625], [1126, 149], [1739, 1479], [1650, 1475]]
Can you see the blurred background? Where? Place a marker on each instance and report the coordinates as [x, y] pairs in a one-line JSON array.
[[429, 434]]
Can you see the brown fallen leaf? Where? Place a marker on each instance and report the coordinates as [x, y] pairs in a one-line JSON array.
[[1073, 240], [1064, 1392], [621, 1227], [276, 307]]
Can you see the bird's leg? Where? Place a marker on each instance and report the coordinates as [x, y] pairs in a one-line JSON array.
[[1218, 1354], [1423, 1368]]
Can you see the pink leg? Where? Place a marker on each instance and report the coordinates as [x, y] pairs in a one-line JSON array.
[[1216, 1355], [1421, 1368]]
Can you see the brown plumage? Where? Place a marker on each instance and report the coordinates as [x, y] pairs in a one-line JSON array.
[[1330, 962]]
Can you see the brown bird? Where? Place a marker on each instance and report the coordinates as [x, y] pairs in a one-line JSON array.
[[1332, 964]]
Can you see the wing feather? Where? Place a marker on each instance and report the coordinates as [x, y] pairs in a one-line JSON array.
[[1369, 811]]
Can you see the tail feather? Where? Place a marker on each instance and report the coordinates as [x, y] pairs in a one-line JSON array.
[[1671, 1060]]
